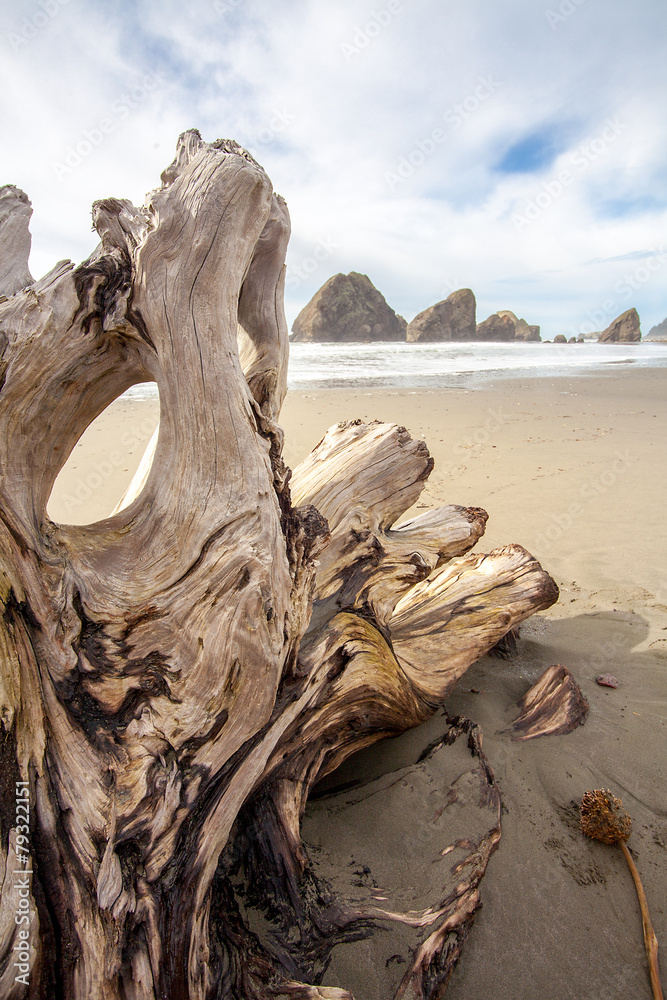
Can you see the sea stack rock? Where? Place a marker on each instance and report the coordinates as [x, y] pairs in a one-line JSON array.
[[504, 325], [451, 319], [658, 332], [348, 307], [522, 330], [560, 339], [624, 330], [496, 327], [15, 212]]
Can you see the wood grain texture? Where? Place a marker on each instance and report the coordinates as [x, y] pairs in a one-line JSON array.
[[553, 706], [175, 678], [15, 240]]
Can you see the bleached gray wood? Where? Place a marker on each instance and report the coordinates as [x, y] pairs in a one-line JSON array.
[[165, 688], [15, 240]]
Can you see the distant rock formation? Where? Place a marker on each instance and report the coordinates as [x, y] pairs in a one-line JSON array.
[[504, 325], [496, 327], [15, 212], [522, 330], [658, 332], [560, 339], [624, 330], [451, 319], [348, 307]]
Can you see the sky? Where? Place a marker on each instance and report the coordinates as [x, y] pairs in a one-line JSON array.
[[515, 147]]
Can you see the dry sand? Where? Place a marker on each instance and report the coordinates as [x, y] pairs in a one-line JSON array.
[[574, 469]]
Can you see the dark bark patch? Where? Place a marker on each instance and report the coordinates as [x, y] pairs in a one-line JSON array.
[[99, 283]]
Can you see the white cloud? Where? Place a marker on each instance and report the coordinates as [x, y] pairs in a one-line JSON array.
[[332, 99]]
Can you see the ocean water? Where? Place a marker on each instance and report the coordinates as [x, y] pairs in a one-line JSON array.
[[427, 366], [436, 366]]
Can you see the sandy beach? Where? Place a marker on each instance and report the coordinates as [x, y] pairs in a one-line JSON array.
[[573, 468]]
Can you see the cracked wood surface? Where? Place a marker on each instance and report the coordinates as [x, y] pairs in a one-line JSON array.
[[182, 672]]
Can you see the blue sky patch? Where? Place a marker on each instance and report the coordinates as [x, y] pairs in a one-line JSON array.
[[621, 208], [532, 153]]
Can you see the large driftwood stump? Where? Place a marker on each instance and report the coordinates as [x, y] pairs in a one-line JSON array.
[[176, 677]]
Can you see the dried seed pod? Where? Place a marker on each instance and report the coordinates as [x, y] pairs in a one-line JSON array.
[[604, 818]]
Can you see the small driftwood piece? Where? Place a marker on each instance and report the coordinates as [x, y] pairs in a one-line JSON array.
[[553, 706], [434, 961], [175, 678]]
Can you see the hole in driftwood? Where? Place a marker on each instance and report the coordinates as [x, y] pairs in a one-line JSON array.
[[105, 458]]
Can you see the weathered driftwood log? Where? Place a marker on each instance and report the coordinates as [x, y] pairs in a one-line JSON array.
[[168, 700]]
